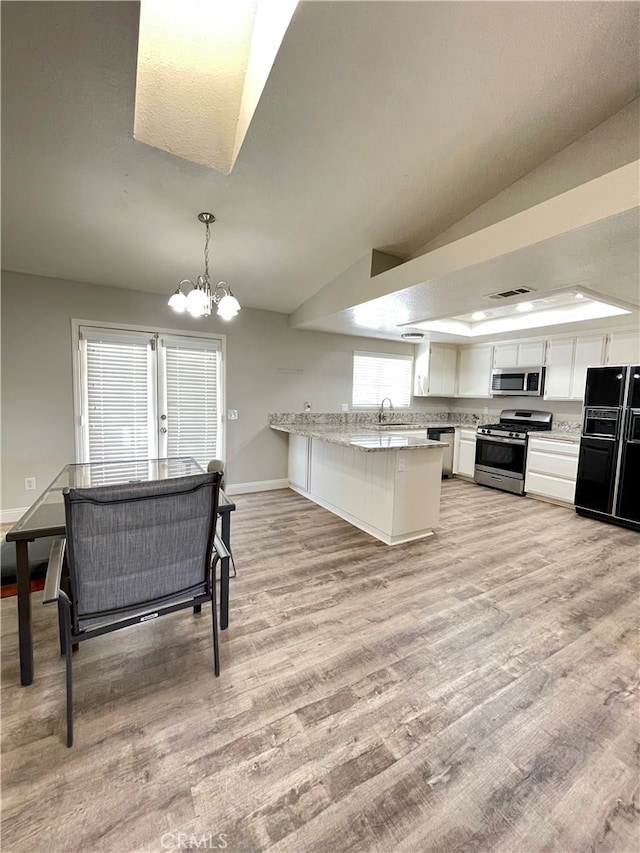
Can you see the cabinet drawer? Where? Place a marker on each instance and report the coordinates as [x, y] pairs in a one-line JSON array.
[[549, 486], [550, 445], [552, 463]]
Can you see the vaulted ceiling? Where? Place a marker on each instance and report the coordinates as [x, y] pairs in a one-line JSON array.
[[381, 125]]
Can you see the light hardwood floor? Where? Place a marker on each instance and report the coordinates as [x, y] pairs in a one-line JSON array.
[[475, 691]]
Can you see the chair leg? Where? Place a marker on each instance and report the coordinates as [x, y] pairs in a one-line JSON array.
[[216, 649], [62, 630], [197, 608], [69, 660]]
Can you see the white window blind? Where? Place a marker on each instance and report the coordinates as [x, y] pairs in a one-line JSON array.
[[192, 401], [380, 375], [116, 419], [141, 395]]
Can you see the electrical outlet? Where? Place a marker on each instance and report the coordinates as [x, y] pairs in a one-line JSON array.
[[233, 415], [30, 484], [400, 462], [345, 407]]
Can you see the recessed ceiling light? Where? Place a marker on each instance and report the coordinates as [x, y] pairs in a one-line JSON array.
[[552, 310], [413, 336], [478, 315]]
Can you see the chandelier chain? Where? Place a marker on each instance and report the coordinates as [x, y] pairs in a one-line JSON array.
[[206, 251]]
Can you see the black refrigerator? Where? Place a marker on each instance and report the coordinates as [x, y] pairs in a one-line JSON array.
[[608, 482]]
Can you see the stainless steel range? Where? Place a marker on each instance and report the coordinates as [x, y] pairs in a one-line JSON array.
[[501, 449]]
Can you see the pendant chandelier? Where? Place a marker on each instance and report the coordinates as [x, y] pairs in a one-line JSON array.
[[200, 299]]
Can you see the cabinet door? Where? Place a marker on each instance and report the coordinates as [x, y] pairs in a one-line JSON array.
[[623, 348], [474, 371], [530, 354], [449, 364], [421, 370], [505, 355], [299, 461], [467, 457], [442, 371], [464, 452], [559, 369], [588, 353]]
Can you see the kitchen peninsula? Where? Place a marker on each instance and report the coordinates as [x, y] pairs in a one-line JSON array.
[[384, 479]]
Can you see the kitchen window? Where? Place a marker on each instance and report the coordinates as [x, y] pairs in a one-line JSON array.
[[147, 394], [378, 375]]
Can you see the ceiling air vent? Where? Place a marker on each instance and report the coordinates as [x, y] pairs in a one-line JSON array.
[[505, 294]]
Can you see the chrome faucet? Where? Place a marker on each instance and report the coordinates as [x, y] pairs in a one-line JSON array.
[[381, 412]]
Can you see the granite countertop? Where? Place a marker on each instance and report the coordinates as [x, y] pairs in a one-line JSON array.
[[364, 438]]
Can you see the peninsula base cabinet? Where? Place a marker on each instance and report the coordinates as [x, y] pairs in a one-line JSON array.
[[299, 461], [464, 453], [393, 495], [552, 466]]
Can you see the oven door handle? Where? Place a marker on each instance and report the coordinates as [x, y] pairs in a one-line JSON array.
[[519, 441]]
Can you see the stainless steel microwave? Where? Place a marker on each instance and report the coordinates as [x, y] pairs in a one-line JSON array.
[[517, 381]]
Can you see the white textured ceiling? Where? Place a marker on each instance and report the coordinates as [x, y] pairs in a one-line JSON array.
[[381, 125]]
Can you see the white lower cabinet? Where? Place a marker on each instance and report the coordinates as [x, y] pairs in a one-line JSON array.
[[299, 461], [552, 465], [464, 452], [393, 495]]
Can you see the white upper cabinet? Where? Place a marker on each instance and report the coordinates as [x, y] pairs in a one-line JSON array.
[[435, 371], [623, 348], [567, 362], [589, 352], [559, 367], [524, 354], [474, 371]]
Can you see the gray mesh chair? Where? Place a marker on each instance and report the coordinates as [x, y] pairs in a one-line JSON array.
[[132, 553]]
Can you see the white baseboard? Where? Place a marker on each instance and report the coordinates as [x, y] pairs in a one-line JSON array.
[[260, 486], [9, 516]]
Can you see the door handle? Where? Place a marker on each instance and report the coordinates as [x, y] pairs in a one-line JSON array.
[[163, 429]]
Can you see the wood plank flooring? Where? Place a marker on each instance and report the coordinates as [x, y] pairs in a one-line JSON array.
[[475, 691]]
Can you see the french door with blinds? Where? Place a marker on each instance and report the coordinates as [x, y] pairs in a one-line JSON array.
[[143, 395]]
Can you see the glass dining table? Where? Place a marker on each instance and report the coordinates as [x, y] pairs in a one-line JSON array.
[[46, 518]]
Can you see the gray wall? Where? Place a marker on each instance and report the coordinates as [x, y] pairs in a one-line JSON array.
[[37, 389]]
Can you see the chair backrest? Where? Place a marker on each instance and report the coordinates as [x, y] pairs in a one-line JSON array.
[[138, 543], [217, 465]]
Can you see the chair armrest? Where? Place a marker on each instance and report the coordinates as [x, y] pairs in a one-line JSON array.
[[220, 549], [54, 572]]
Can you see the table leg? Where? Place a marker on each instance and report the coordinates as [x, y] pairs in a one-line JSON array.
[[224, 572], [23, 577]]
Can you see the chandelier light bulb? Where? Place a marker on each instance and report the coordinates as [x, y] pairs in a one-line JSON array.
[[178, 301], [196, 302]]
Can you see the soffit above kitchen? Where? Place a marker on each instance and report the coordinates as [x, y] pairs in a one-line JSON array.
[[585, 240], [381, 125]]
